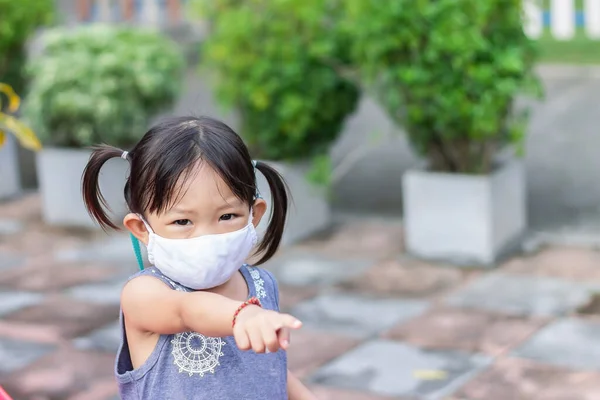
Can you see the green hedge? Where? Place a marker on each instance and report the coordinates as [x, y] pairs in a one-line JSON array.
[[101, 84], [18, 21], [448, 71], [268, 60]]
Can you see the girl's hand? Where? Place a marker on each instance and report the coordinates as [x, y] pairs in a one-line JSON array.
[[263, 330]]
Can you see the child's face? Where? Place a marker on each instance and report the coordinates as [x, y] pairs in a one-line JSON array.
[[205, 206]]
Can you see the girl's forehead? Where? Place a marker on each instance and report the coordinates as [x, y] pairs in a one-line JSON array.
[[203, 187]]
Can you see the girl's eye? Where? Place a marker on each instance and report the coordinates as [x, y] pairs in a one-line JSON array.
[[227, 217], [182, 222]]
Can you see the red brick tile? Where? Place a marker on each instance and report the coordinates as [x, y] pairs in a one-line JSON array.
[[309, 350], [37, 237], [407, 278], [30, 332], [67, 317], [42, 276], [579, 264], [100, 390], [326, 393], [59, 375], [470, 330], [518, 379], [364, 237], [27, 207], [289, 296]]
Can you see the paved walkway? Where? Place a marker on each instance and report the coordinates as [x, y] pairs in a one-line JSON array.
[[378, 324]]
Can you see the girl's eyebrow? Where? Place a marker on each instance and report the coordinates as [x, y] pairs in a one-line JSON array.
[[182, 210], [230, 203]]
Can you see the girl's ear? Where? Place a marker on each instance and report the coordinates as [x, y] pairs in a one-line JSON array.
[[136, 226], [258, 210]]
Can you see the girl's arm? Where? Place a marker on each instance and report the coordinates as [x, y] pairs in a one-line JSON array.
[[297, 390], [151, 306]]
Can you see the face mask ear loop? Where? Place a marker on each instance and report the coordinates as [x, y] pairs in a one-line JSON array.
[[136, 244], [147, 225], [137, 250], [257, 195]]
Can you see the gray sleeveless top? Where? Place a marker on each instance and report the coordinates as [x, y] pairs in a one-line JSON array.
[[191, 366]]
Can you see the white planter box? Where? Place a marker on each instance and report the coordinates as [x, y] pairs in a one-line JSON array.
[[10, 177], [309, 210], [59, 174], [465, 219]]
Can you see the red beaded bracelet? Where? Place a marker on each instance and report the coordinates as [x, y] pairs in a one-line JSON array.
[[251, 301]]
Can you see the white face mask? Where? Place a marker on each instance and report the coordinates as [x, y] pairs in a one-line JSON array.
[[202, 262]]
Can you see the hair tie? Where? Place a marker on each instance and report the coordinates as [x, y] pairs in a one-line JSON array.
[[124, 155]]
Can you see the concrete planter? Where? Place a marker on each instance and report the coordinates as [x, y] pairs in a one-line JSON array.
[[10, 177], [465, 219], [59, 174], [309, 210]]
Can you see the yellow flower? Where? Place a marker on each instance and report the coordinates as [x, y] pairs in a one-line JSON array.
[[430, 374], [10, 124]]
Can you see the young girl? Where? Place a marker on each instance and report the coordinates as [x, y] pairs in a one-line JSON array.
[[199, 323]]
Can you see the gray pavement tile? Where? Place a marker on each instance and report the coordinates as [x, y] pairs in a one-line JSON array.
[[303, 268], [16, 354], [107, 292], [569, 342], [356, 315], [13, 301], [9, 226], [523, 295], [511, 378], [115, 250], [106, 339], [397, 369], [10, 260]]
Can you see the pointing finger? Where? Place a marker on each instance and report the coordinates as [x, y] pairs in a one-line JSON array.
[[290, 322], [284, 338]]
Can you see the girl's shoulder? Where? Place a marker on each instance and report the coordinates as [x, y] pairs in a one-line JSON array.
[[261, 283], [155, 272]]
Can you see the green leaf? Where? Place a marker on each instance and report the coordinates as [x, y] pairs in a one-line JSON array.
[[320, 171], [18, 21]]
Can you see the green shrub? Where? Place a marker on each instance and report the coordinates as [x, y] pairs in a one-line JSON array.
[[269, 60], [18, 20], [447, 71], [101, 84]]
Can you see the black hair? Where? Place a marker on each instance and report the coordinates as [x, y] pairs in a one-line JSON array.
[[167, 153]]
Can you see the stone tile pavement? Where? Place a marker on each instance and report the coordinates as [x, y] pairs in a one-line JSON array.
[[378, 324]]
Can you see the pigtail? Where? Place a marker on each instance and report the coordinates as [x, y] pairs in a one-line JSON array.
[[279, 207], [94, 201]]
